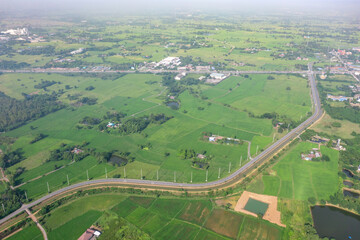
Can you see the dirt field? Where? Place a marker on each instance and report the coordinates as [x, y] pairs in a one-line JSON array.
[[271, 214]]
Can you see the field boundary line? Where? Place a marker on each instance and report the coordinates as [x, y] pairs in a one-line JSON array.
[[241, 227]]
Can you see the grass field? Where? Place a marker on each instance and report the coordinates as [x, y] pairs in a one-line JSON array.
[[344, 131]]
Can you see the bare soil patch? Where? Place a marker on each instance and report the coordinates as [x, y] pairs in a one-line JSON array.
[[271, 214]]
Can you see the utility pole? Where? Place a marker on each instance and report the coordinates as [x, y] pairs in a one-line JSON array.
[[257, 149], [48, 186], [174, 176], [106, 173], [191, 178], [240, 161], [3, 207], [229, 166], [206, 175], [157, 175], [274, 137], [124, 172], [67, 177], [87, 174], [219, 173], [26, 197], [141, 174]]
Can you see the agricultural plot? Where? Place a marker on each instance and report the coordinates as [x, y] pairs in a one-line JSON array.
[[299, 179], [256, 94], [196, 212], [75, 227], [161, 218], [224, 223], [31, 232], [253, 229]]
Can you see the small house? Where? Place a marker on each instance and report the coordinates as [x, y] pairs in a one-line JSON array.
[[111, 125], [201, 156], [212, 139]]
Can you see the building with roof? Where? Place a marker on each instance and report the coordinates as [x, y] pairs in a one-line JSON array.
[[180, 76], [90, 234], [338, 98], [219, 76]]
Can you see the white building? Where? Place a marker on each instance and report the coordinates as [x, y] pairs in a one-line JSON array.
[[180, 76], [16, 32], [80, 50], [169, 62], [218, 76]]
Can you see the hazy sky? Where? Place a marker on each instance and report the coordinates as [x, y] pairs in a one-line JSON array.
[[174, 5]]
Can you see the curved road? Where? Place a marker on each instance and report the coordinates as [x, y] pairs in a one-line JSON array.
[[234, 177]]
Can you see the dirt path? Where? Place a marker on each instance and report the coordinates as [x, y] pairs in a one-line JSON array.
[[32, 216]]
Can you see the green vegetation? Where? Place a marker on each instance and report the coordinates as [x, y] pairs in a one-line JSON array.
[[145, 217]]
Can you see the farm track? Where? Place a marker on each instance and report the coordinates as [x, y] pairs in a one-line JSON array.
[[231, 180]]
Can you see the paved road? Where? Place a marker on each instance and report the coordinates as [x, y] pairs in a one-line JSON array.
[[234, 177], [39, 70]]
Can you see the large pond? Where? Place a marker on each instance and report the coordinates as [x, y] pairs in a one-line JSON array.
[[332, 222]]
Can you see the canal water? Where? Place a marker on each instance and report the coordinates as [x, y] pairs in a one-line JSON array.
[[332, 222]]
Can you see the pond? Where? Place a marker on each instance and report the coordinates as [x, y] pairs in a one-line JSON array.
[[350, 194], [119, 161], [173, 105], [348, 173], [347, 183], [335, 223]]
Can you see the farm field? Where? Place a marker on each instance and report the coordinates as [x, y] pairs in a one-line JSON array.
[[139, 95], [294, 178], [148, 216]]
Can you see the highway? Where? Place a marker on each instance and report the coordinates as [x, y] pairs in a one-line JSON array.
[[221, 183]]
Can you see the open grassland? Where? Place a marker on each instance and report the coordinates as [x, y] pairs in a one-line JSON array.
[[326, 125], [295, 178], [285, 94], [161, 218]]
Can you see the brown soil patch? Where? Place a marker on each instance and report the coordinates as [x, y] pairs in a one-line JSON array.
[[225, 223], [271, 214], [231, 200]]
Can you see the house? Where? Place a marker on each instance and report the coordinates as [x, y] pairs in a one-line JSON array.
[[202, 68], [111, 125], [77, 151], [218, 76], [311, 155], [201, 156], [90, 234], [180, 76], [212, 139], [202, 78], [358, 168], [338, 98], [80, 50]]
